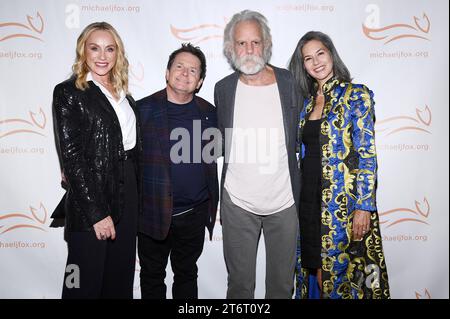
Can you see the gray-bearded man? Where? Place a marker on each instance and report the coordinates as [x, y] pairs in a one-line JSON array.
[[258, 111]]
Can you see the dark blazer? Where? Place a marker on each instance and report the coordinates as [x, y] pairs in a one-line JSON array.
[[224, 95], [156, 215], [89, 145]]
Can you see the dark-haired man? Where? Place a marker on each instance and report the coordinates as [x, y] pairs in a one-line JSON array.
[[180, 185]]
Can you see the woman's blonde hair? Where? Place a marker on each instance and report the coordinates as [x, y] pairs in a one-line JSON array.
[[119, 73]]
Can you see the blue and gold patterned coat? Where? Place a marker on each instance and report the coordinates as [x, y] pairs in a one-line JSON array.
[[350, 269]]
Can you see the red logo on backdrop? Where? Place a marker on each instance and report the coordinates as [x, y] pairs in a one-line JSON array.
[[35, 124], [406, 215], [425, 295], [420, 122], [199, 33], [418, 30], [32, 29], [19, 220]]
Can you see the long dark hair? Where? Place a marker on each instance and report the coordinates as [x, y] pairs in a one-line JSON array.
[[303, 80]]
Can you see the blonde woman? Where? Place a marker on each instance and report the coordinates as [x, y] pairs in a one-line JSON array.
[[98, 142]]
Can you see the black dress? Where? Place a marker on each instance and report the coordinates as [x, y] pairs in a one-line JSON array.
[[309, 218]]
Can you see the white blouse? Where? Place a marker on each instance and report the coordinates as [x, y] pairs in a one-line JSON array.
[[125, 114]]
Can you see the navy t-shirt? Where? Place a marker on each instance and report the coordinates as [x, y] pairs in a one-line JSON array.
[[189, 183]]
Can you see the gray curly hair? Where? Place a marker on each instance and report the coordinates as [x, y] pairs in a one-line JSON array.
[[228, 40]]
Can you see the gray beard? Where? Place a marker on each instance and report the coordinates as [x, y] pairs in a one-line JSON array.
[[249, 64]]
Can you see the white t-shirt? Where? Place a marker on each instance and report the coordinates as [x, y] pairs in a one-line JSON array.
[[257, 177]]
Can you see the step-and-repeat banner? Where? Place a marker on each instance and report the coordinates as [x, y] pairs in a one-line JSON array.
[[399, 49]]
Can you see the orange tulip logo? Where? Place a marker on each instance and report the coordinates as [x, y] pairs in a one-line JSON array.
[[426, 295], [32, 29], [199, 33], [402, 215], [17, 220], [34, 125], [419, 30], [420, 122]]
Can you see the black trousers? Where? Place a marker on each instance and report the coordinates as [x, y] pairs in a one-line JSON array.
[[184, 244], [106, 267]]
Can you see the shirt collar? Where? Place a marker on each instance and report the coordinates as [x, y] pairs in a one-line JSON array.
[[104, 90], [328, 85]]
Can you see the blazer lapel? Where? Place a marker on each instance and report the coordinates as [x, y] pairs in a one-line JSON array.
[[104, 102], [229, 87], [307, 111], [284, 90], [161, 122]]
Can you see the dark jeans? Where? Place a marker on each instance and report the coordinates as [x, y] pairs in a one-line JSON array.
[[106, 267], [184, 244]]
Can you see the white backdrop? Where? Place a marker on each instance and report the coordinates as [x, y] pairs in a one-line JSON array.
[[398, 48]]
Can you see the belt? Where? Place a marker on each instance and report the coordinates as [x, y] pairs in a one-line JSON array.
[[130, 154]]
